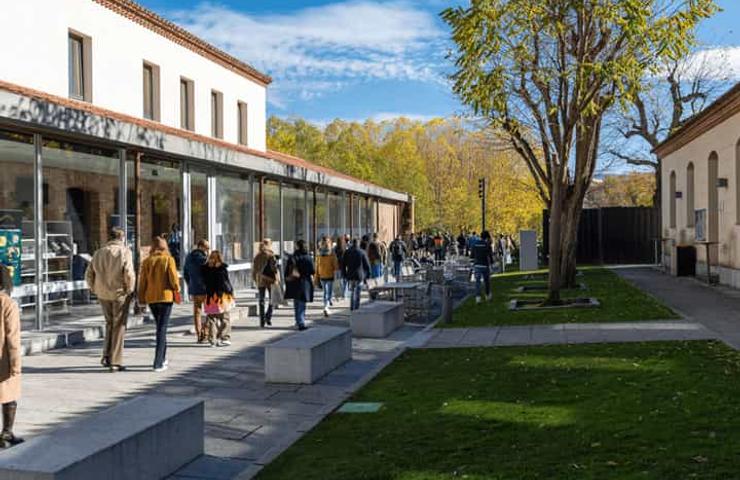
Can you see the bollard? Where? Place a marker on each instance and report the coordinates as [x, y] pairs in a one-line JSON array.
[[446, 304]]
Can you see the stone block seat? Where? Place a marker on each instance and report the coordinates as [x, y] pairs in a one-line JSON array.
[[145, 437], [376, 319], [305, 357]]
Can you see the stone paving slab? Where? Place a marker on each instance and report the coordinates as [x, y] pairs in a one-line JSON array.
[[571, 333], [248, 422]]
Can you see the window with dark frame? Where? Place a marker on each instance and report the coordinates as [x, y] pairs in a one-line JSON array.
[[80, 66], [243, 123], [151, 91], [217, 114], [187, 105]]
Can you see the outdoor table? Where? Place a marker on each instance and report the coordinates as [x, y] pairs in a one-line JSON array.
[[397, 290], [709, 259]]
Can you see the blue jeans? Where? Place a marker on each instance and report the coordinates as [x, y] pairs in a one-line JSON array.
[[299, 306], [376, 270], [482, 272], [328, 286], [355, 287], [397, 269], [161, 313]]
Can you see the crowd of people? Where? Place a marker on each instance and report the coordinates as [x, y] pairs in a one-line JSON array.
[[340, 266]]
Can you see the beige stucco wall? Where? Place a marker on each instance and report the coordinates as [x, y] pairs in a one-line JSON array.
[[721, 139]]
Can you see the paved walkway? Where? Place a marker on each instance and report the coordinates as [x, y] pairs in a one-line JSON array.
[[248, 422], [715, 307], [568, 333]]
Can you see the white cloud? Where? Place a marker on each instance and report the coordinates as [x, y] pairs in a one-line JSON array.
[[320, 49], [716, 63]]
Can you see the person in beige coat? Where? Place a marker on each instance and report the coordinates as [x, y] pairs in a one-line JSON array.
[[111, 278], [10, 359]]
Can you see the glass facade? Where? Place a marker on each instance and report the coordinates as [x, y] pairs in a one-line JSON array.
[[17, 245], [336, 215], [80, 206], [59, 200], [233, 203], [295, 216]]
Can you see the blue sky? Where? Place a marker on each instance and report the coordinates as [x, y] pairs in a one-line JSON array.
[[355, 59]]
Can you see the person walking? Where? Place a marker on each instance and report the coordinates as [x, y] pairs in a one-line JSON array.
[[299, 272], [10, 361], [356, 270], [327, 265], [374, 255], [462, 244], [265, 274], [482, 253], [219, 299], [111, 277], [339, 250], [159, 287], [398, 254], [196, 288]]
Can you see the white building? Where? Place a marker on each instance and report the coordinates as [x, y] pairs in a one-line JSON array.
[[700, 182], [109, 111]]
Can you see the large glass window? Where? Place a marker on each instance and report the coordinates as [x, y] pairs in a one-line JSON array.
[[80, 193], [232, 213], [335, 215], [198, 208], [161, 205], [322, 214], [272, 212], [294, 216], [16, 219], [368, 215]]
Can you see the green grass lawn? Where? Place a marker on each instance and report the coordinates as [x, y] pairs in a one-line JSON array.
[[663, 411], [620, 301]]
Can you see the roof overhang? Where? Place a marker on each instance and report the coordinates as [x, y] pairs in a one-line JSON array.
[[45, 113]]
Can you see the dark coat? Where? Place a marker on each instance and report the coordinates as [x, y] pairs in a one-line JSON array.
[[301, 288], [192, 273], [356, 265], [216, 280]]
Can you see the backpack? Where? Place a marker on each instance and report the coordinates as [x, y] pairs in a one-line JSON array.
[[396, 249], [270, 271]]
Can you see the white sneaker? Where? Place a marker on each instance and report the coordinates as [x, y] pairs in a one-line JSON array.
[[477, 300], [489, 297], [225, 343], [327, 312], [166, 363], [161, 369]]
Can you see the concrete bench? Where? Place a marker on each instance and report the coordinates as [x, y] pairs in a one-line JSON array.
[[146, 437], [376, 319], [307, 356]]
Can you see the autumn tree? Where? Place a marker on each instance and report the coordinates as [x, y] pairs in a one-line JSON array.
[[546, 72]]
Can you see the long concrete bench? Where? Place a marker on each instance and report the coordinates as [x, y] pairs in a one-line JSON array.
[[146, 437], [376, 319], [307, 356]]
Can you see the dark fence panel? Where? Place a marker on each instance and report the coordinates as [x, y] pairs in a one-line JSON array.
[[614, 235]]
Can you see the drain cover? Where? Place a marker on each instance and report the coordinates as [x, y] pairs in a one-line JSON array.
[[360, 407]]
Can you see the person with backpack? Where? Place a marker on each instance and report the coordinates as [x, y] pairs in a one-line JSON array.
[[374, 254], [462, 244], [326, 266], [159, 287], [265, 275], [398, 255], [196, 288], [299, 272], [219, 299], [482, 253], [356, 270]]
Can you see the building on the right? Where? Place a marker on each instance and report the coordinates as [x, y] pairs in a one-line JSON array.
[[700, 180]]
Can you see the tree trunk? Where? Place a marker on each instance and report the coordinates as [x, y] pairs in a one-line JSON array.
[[571, 217], [555, 246]]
